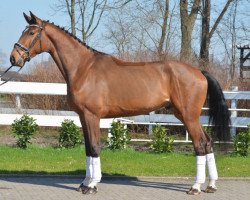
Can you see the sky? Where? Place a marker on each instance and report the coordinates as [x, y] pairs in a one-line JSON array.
[[12, 22]]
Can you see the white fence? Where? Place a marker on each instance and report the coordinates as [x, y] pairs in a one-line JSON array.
[[54, 118], [43, 118]]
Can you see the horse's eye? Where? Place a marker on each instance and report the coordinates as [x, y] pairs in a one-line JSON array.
[[31, 33]]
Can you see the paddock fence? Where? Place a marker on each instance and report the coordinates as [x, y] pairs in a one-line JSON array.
[[54, 118]]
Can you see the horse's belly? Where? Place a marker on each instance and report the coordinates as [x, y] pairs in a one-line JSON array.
[[134, 107]]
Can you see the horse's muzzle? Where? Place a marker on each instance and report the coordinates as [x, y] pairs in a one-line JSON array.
[[12, 60]]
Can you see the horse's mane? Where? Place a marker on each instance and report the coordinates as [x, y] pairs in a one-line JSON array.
[[75, 37]]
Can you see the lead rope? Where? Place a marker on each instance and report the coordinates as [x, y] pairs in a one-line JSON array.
[[5, 72]]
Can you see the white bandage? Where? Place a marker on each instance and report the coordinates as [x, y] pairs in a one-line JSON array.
[[89, 171], [97, 174], [89, 167], [212, 171], [201, 169], [93, 172]]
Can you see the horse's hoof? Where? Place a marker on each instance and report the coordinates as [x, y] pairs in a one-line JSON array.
[[81, 186], [193, 191], [87, 190], [210, 189]]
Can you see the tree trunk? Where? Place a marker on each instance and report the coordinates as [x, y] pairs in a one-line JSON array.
[[70, 5], [206, 33], [72, 18], [205, 39], [187, 25], [163, 28]]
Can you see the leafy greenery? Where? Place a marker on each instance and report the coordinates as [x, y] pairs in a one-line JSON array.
[[209, 130], [23, 130], [119, 136], [241, 143], [161, 142], [69, 134], [128, 162]]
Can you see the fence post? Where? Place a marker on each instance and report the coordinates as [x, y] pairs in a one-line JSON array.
[[150, 127], [233, 112], [18, 102], [186, 136]]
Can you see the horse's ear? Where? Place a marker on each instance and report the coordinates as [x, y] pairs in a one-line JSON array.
[[33, 18], [27, 18]]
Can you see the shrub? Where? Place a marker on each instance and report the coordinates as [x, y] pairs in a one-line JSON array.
[[119, 136], [209, 130], [161, 142], [241, 143], [23, 129], [69, 134]]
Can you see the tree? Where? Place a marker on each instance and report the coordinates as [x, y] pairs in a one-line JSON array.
[[71, 12], [187, 26], [85, 15], [67, 6], [164, 9], [146, 30], [206, 33], [90, 16]]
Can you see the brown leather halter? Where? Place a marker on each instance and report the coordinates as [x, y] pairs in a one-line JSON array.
[[26, 50]]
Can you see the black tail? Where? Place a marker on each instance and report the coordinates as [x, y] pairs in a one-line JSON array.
[[219, 115]]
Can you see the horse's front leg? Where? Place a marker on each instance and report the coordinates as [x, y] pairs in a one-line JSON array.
[[91, 131]]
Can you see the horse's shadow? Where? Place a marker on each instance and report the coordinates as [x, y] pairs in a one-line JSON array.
[[66, 182], [149, 183]]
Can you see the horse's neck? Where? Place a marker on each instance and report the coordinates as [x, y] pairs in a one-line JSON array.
[[68, 53]]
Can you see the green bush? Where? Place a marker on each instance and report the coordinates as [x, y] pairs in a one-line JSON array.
[[241, 143], [23, 129], [119, 136], [209, 130], [69, 134], [161, 142]]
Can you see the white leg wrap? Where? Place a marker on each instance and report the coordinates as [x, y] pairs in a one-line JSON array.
[[97, 174], [201, 169], [197, 186], [93, 172], [212, 184], [212, 171], [89, 167], [89, 171]]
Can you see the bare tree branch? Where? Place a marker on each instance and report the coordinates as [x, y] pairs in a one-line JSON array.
[[220, 17]]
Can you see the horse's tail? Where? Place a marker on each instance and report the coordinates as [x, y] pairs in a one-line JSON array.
[[219, 115]]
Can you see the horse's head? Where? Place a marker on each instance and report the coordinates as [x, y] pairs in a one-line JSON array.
[[30, 43]]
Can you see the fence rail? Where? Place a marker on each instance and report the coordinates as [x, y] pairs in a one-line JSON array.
[[54, 118]]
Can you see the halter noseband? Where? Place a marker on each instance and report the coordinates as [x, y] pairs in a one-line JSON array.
[[26, 50]]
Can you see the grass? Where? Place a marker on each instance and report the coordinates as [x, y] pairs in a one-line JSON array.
[[49, 160]]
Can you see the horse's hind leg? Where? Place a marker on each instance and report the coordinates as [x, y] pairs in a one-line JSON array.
[[189, 115], [195, 132], [211, 165], [203, 148]]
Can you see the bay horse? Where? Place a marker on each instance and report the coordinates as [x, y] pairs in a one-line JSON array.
[[102, 86]]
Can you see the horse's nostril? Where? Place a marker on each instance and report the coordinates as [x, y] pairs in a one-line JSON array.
[[12, 60]]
